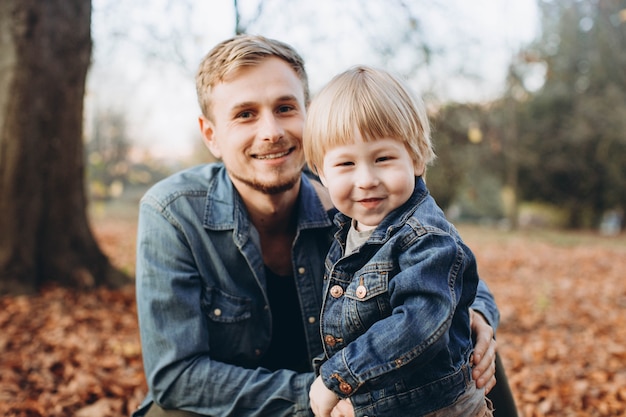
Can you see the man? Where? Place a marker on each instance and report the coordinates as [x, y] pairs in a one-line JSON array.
[[230, 256]]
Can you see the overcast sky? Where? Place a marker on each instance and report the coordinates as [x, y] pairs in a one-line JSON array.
[[145, 52]]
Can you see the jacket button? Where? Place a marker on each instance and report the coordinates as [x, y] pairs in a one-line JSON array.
[[330, 340], [336, 291], [345, 388], [361, 291], [301, 270], [312, 319], [217, 312]]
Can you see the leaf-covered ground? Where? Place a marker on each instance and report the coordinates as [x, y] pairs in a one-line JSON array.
[[562, 335]]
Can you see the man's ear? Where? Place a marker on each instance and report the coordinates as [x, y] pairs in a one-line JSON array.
[[208, 136]]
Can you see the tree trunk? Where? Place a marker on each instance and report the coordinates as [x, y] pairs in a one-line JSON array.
[[45, 50]]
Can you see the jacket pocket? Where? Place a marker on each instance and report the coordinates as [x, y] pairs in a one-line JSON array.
[[367, 298], [369, 282]]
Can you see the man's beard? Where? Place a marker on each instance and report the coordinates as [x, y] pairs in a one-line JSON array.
[[271, 189]]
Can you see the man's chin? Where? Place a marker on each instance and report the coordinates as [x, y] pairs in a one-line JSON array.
[[280, 185]]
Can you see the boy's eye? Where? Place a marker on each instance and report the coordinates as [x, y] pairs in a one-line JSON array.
[[383, 158], [345, 164]]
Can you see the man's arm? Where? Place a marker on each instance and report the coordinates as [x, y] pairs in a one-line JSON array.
[[485, 304], [485, 318], [180, 371]]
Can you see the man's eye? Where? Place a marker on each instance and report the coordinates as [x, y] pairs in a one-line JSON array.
[[244, 115], [285, 109]]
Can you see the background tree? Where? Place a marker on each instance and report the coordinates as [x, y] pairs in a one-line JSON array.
[[45, 235], [467, 172], [574, 144]]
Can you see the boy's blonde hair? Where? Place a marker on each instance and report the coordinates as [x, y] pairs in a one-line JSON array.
[[241, 51], [375, 104]]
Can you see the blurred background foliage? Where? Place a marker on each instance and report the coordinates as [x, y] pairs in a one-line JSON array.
[[558, 153], [549, 151]]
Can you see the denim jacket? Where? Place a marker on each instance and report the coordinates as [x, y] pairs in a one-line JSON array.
[[395, 314], [201, 297], [202, 304]]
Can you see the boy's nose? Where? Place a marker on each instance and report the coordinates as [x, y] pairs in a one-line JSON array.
[[366, 177]]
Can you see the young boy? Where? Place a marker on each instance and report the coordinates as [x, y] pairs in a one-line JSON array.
[[399, 281]]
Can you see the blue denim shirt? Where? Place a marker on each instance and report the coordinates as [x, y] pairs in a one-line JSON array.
[[395, 314], [202, 304]]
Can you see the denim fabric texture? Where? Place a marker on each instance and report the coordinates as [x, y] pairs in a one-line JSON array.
[[202, 303], [395, 315], [203, 311]]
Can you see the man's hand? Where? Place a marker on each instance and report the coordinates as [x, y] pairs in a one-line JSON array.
[[322, 399], [484, 357]]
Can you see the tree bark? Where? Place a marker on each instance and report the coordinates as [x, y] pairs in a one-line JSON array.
[[45, 51]]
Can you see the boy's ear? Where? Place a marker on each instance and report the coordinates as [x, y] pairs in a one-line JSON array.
[[320, 174], [208, 136], [419, 168]]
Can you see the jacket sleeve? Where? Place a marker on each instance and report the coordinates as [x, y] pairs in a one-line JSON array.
[[180, 371]]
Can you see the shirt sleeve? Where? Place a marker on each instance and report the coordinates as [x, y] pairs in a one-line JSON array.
[[485, 304]]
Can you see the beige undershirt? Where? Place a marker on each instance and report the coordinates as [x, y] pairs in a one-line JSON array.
[[355, 238]]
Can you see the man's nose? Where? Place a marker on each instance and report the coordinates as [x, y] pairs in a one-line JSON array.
[[270, 128]]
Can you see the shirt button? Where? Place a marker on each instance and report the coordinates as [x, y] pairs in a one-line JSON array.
[[312, 319], [301, 270], [217, 312], [361, 291], [336, 291]]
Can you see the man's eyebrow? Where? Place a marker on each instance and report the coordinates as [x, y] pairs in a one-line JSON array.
[[243, 105], [288, 97]]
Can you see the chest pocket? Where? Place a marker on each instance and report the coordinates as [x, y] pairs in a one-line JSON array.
[[366, 300], [229, 326], [369, 282], [221, 307]]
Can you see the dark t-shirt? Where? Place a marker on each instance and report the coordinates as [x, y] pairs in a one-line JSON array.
[[288, 346]]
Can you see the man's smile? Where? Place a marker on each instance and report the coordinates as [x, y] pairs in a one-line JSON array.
[[275, 155]]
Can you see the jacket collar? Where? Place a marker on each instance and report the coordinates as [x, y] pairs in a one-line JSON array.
[[225, 210]]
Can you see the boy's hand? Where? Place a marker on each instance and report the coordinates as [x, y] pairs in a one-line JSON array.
[[484, 357], [322, 399], [343, 408]]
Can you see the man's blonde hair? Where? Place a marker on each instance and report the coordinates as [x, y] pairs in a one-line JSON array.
[[372, 102], [242, 51]]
